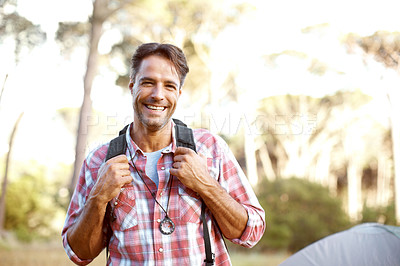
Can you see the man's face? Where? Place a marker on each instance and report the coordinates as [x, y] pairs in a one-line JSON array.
[[155, 91]]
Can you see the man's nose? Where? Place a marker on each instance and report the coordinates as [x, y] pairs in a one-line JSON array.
[[158, 92]]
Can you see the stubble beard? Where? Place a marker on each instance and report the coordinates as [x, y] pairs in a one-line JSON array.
[[152, 123]]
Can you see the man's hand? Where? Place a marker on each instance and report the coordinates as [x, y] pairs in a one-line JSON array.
[[191, 169], [86, 236], [112, 176]]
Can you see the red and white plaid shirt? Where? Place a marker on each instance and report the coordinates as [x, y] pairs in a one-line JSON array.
[[137, 239]]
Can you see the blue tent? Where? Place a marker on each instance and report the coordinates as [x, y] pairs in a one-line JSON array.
[[368, 244]]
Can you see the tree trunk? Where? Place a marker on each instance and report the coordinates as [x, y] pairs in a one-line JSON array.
[[383, 180], [5, 179], [266, 163], [322, 167], [250, 155], [2, 88], [354, 177], [395, 111], [98, 18]]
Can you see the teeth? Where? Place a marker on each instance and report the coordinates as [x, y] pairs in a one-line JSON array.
[[155, 107]]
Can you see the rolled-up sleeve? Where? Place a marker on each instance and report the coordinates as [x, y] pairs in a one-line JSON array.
[[237, 185], [86, 181], [71, 254], [254, 229]]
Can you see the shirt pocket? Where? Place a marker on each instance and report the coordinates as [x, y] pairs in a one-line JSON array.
[[125, 210], [189, 205]]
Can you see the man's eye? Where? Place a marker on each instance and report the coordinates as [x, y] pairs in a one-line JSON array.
[[171, 87]]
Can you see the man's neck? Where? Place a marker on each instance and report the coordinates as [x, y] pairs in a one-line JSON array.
[[150, 141]]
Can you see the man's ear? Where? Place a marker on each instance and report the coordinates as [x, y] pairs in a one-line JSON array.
[[131, 83]]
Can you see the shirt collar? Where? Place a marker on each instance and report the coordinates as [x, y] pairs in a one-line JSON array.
[[134, 148]]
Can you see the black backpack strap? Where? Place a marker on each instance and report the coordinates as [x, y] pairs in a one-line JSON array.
[[184, 138], [108, 218], [117, 147], [210, 257], [184, 135]]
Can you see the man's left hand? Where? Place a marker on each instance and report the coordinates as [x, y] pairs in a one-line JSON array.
[[191, 169]]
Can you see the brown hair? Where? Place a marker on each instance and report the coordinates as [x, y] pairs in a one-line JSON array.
[[168, 51]]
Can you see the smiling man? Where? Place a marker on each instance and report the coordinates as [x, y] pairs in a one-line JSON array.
[[160, 203]]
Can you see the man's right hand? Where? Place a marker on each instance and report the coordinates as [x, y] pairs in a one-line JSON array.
[[112, 176], [86, 236]]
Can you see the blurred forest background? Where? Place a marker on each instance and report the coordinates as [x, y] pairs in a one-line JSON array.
[[306, 93]]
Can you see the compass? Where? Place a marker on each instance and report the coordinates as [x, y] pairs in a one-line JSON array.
[[167, 226]]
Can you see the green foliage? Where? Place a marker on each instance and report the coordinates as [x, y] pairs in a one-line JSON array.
[[70, 34], [23, 31], [385, 215], [29, 207], [298, 213]]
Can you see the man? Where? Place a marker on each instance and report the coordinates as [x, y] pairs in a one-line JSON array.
[[157, 189]]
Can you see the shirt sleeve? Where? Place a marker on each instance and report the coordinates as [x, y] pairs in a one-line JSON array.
[[71, 254], [233, 179], [86, 181]]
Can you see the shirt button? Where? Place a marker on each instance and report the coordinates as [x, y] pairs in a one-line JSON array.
[[160, 250], [158, 220], [116, 203], [162, 168], [161, 193]]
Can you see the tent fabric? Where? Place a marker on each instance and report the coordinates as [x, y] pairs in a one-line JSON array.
[[368, 244]]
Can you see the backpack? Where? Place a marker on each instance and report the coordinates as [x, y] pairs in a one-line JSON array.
[[184, 138]]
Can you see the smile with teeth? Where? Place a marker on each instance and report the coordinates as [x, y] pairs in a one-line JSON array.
[[158, 108]]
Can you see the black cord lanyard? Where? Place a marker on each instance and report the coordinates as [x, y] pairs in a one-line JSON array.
[[167, 226]]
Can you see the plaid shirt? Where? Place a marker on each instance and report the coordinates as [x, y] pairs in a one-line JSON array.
[[137, 239]]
